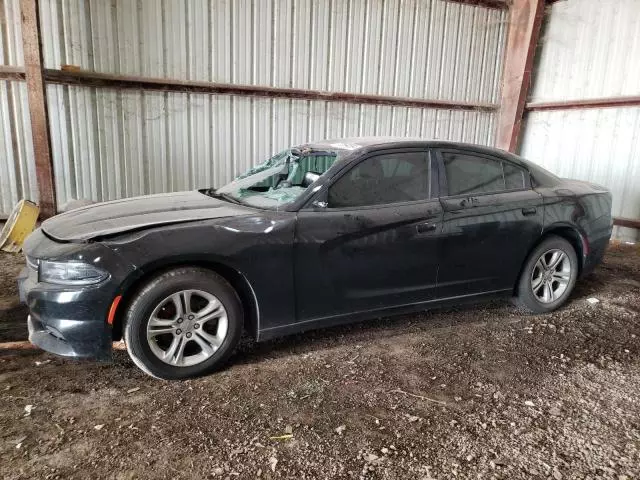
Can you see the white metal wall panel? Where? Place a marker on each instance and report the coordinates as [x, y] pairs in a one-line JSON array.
[[10, 33], [415, 48], [17, 167], [597, 145], [17, 164], [109, 144], [590, 49]]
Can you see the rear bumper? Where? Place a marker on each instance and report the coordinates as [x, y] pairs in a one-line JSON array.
[[68, 322]]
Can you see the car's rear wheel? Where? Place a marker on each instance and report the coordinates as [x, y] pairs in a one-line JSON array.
[[548, 276], [183, 323]]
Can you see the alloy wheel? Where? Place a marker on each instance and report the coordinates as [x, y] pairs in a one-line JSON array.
[[550, 276], [187, 328]]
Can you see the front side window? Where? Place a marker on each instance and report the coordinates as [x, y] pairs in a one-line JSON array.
[[383, 179], [468, 174], [280, 180]]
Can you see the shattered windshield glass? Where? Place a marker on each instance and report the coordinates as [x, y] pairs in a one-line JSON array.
[[279, 180]]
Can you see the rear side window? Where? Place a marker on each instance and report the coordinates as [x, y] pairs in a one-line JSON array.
[[383, 179], [468, 174], [513, 177]]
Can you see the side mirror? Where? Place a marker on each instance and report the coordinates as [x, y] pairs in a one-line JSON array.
[[319, 204]]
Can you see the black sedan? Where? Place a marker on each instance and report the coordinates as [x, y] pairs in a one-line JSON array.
[[318, 235]]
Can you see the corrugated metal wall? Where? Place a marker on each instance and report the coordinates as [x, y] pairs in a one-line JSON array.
[[416, 48], [10, 33], [109, 144], [590, 49], [17, 166]]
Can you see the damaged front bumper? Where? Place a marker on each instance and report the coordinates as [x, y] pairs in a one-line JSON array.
[[79, 341], [71, 323], [71, 320]]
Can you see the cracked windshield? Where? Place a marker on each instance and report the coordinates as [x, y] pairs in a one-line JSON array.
[[280, 180]]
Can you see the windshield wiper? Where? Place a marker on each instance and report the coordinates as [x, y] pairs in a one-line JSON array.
[[224, 196]]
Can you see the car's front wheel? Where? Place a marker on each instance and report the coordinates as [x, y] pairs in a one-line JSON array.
[[548, 277], [183, 323]]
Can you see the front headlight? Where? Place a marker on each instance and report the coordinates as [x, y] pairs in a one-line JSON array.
[[70, 273]]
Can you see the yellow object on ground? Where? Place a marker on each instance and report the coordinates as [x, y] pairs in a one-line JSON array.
[[21, 223]]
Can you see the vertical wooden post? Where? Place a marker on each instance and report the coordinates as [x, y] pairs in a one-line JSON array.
[[38, 105], [525, 20]]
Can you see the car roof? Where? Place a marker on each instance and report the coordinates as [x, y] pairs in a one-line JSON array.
[[351, 149], [355, 144]]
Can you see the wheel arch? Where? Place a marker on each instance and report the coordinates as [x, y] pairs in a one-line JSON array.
[[570, 233], [235, 277]]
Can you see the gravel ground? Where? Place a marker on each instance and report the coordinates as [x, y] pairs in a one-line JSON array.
[[474, 392]]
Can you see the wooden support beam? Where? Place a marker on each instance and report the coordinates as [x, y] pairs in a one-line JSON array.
[[87, 78], [626, 222], [106, 80], [633, 101], [8, 72], [497, 4], [525, 20], [36, 95]]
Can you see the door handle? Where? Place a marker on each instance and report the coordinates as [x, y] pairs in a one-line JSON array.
[[529, 211], [426, 227]]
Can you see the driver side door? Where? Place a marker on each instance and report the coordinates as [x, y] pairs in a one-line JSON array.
[[376, 243]]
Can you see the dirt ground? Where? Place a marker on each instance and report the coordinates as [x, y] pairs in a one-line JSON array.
[[474, 392]]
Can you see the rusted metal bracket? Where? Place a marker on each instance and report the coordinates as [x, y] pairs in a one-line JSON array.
[[36, 94]]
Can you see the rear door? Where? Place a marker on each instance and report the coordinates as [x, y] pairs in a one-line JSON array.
[[374, 242], [492, 217]]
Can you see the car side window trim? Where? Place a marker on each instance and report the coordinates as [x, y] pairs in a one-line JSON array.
[[444, 181], [322, 194]]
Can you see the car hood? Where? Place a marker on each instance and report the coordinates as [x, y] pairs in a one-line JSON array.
[[111, 218]]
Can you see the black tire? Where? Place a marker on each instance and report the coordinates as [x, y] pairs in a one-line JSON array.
[[152, 293], [525, 297]]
